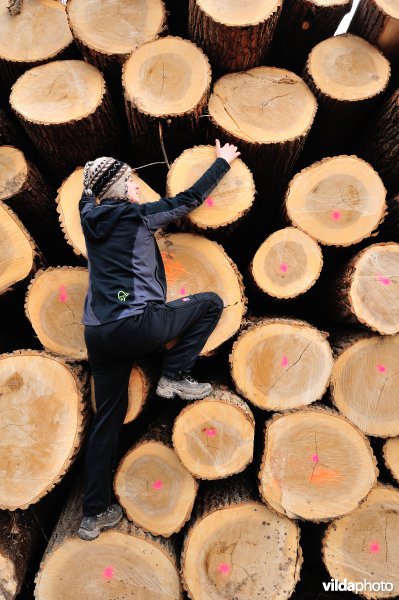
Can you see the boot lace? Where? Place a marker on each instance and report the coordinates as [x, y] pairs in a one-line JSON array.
[[190, 379]]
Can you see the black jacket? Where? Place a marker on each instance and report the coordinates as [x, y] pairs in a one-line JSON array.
[[125, 265]]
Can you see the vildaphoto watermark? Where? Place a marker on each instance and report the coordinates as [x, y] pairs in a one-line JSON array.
[[335, 585]]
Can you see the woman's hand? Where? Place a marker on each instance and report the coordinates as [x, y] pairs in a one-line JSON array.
[[228, 152]]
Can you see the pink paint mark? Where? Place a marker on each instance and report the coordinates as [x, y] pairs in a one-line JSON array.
[[108, 572], [63, 295], [223, 568], [315, 458], [209, 201], [210, 431], [381, 368], [283, 267], [183, 291], [374, 547], [284, 361], [384, 280], [157, 484], [336, 215]]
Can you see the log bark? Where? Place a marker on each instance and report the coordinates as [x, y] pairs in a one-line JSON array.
[[363, 291], [378, 22], [214, 437], [41, 416], [287, 264], [267, 112], [166, 88], [339, 200], [24, 189], [18, 53], [391, 456], [126, 557], [221, 213], [20, 256], [194, 264], [237, 547], [347, 75], [292, 366], [358, 544], [220, 31], [364, 384], [155, 489], [304, 23], [54, 305], [62, 103], [316, 465]]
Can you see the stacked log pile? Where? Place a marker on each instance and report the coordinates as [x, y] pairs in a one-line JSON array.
[[287, 474]]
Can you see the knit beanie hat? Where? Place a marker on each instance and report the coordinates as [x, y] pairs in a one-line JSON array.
[[106, 177]]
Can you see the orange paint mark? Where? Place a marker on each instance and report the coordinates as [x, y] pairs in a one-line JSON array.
[[323, 475], [174, 269]]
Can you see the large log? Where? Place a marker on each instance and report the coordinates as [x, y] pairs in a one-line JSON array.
[[286, 264], [339, 200], [195, 264], [378, 22], [39, 34], [361, 546], [24, 189], [365, 384], [54, 305], [316, 465], [236, 547], [44, 417], [391, 456], [62, 103], [302, 25], [155, 489], [347, 75], [166, 87], [20, 257], [220, 214], [220, 28], [123, 561], [279, 364], [214, 437], [267, 112]]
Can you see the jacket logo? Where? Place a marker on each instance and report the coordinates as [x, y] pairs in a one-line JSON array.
[[122, 295]]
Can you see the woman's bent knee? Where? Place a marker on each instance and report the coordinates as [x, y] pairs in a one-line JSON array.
[[216, 299]]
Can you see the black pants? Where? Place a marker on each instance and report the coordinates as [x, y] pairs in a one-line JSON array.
[[112, 349]]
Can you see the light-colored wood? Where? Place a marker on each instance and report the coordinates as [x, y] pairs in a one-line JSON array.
[[195, 264], [378, 22], [286, 264], [391, 456], [365, 384], [43, 419], [155, 489], [238, 548], [54, 305], [316, 465], [222, 27], [338, 201], [214, 437], [69, 194], [279, 364], [122, 561], [361, 545], [20, 48], [67, 113]]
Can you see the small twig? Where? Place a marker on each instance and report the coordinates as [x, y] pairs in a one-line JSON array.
[[160, 162], [162, 145]]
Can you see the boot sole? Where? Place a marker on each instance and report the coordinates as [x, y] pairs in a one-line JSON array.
[[169, 394], [92, 535]]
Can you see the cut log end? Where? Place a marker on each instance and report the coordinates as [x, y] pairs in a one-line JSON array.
[[391, 456], [279, 364], [17, 250], [214, 437], [365, 385], [338, 201], [287, 264], [228, 202], [316, 465], [238, 14]]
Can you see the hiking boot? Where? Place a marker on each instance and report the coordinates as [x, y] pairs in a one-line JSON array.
[[91, 526], [184, 386]]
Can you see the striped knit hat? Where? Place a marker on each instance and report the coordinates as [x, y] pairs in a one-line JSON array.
[[106, 177]]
